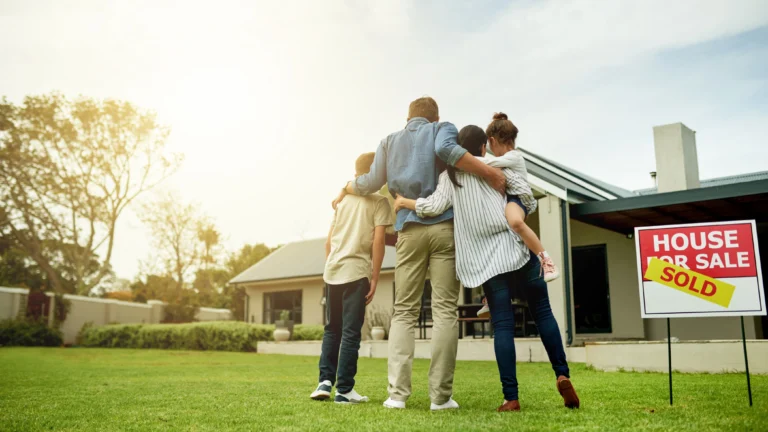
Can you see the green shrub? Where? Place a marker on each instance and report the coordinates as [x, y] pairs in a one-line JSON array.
[[28, 333], [203, 336], [307, 332], [213, 335]]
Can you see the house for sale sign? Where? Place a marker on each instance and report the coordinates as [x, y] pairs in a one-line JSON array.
[[700, 270]]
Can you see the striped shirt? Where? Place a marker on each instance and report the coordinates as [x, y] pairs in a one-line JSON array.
[[485, 244], [514, 160]]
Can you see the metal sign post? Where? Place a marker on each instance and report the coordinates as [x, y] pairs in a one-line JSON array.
[[746, 360], [669, 355]]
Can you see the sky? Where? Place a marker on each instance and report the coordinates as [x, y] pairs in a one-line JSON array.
[[272, 102]]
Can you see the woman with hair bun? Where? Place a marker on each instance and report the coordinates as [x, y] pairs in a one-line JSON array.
[[491, 255]]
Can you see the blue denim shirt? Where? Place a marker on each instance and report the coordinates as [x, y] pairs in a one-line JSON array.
[[405, 161]]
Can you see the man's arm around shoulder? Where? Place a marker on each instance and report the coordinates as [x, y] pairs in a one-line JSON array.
[[448, 149], [371, 182]]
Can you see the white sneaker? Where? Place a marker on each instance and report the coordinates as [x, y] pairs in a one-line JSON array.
[[451, 404], [323, 391], [349, 398], [484, 312], [389, 403]]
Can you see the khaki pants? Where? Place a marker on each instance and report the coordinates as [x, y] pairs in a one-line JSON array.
[[420, 247]]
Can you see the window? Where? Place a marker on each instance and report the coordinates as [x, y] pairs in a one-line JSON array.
[[274, 302], [591, 293]]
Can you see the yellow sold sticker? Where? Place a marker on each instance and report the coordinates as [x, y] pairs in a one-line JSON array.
[[690, 282]]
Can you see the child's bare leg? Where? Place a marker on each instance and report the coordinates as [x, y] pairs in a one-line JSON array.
[[516, 220]]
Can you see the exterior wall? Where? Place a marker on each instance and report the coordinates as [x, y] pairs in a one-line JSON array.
[[550, 226], [211, 314], [622, 280], [700, 328], [528, 349], [100, 311], [124, 312], [711, 356], [11, 302], [312, 292], [625, 299]]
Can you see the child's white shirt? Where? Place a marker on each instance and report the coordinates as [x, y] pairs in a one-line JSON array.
[[512, 159]]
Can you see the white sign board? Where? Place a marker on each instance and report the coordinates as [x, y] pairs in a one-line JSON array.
[[699, 270]]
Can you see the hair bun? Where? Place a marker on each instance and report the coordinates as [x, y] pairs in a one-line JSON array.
[[500, 116]]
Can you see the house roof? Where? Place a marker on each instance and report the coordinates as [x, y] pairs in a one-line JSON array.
[[578, 187], [581, 180], [295, 260], [734, 201], [720, 181]]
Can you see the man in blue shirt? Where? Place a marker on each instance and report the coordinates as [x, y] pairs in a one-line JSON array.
[[406, 161]]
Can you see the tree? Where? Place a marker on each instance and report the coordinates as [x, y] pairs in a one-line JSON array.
[[210, 286], [68, 170], [210, 242], [153, 287], [173, 225], [237, 263], [247, 256]]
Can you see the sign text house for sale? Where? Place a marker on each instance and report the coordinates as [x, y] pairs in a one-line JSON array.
[[708, 269]]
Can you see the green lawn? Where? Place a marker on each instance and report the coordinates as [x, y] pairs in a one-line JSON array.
[[101, 389]]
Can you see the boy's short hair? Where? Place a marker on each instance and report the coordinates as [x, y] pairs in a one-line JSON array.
[[363, 163], [424, 107]]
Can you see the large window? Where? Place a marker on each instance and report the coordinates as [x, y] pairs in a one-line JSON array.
[[274, 302], [590, 289]]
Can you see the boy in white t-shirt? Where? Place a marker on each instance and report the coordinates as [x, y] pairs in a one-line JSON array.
[[354, 253]]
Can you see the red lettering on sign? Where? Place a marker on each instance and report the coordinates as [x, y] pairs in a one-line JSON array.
[[718, 251], [667, 274], [712, 289]]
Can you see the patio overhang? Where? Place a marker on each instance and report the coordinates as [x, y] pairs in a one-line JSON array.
[[722, 203]]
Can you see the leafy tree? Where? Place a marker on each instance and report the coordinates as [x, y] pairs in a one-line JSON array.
[[153, 287], [210, 286], [209, 238], [173, 225], [68, 170], [237, 263]]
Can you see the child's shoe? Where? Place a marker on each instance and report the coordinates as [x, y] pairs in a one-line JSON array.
[[484, 312], [548, 267]]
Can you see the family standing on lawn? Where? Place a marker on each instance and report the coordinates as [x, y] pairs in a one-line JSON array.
[[460, 215]]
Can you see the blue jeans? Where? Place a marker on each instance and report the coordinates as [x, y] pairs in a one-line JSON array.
[[345, 312], [500, 291]]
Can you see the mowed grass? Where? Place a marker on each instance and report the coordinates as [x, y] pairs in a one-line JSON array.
[[101, 389]]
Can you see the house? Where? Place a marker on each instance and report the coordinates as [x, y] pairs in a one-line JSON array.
[[587, 226], [291, 278]]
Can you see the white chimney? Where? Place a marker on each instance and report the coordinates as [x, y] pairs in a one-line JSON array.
[[653, 179], [677, 165]]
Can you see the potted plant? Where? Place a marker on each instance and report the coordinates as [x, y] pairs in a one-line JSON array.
[[283, 327], [379, 321]]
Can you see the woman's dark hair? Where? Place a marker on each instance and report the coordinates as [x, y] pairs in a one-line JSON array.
[[502, 129], [473, 139]]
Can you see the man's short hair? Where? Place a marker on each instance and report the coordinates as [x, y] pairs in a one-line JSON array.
[[424, 107], [363, 163]]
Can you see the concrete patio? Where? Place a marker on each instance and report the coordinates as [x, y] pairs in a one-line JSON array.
[[687, 356]]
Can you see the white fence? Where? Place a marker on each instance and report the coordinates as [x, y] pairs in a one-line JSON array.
[[13, 303]]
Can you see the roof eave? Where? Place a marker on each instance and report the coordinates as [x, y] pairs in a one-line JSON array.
[[670, 198], [291, 279]]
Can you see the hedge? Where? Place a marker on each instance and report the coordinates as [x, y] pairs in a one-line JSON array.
[[28, 333], [204, 336]]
